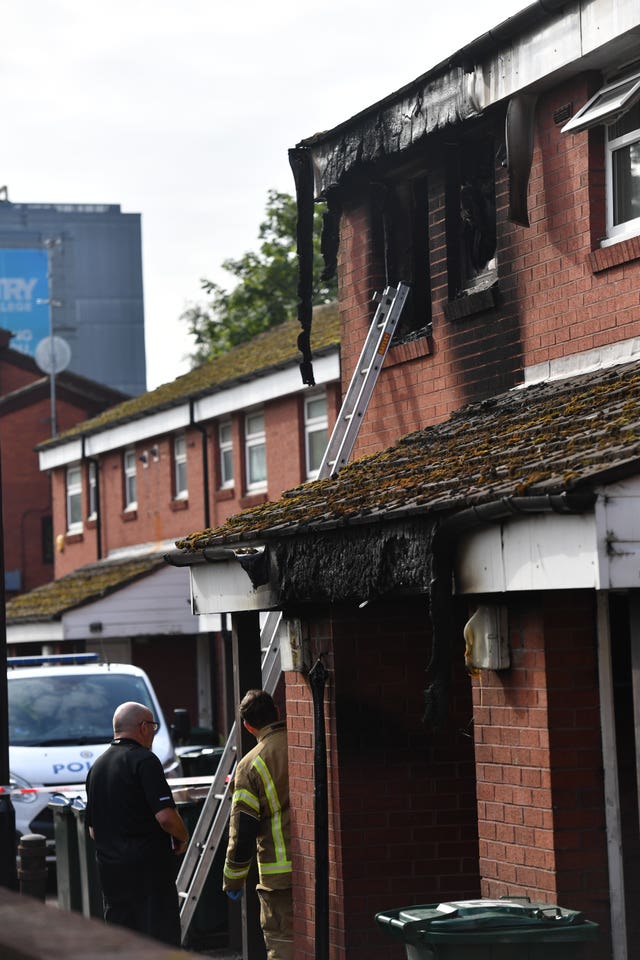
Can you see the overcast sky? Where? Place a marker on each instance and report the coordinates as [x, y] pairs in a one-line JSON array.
[[184, 111]]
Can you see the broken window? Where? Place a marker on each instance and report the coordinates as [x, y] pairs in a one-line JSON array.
[[471, 216], [401, 244]]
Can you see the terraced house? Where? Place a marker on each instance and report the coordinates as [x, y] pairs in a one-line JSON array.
[[472, 590], [231, 433]]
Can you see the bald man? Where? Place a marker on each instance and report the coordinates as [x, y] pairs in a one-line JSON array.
[[137, 830]]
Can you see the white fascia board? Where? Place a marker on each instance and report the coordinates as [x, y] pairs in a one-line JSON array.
[[580, 30], [224, 587], [156, 424], [542, 552], [617, 515], [326, 369], [60, 456], [47, 632]]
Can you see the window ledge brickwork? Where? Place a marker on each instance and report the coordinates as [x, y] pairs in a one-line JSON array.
[[253, 500], [128, 515], [409, 350], [470, 303], [613, 256]]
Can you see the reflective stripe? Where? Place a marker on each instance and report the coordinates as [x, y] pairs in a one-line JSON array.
[[281, 863], [239, 874], [250, 799], [270, 868]]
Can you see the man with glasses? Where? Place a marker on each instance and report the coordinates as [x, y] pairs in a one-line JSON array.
[[137, 830]]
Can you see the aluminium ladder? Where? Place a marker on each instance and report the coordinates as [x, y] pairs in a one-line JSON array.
[[211, 825]]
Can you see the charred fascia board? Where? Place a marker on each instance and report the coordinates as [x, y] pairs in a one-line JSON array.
[[528, 52], [376, 555]]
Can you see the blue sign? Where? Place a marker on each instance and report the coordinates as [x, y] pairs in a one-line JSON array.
[[24, 296]]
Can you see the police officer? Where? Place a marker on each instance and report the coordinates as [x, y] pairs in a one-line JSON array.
[[260, 815], [137, 830]]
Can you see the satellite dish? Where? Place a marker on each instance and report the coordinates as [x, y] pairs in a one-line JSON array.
[[53, 355]]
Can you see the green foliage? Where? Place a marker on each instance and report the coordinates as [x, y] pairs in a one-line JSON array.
[[266, 290]]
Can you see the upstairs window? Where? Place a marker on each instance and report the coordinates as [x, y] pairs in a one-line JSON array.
[[401, 243], [130, 480], [471, 216], [315, 432], [225, 453], [92, 482], [255, 451], [74, 499], [617, 107], [180, 467]]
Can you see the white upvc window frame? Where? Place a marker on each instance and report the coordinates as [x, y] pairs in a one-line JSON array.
[[92, 490], [254, 439], [180, 485], [73, 495], [225, 453], [314, 423], [130, 479], [605, 108]]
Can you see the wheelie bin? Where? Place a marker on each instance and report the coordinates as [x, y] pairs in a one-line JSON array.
[[505, 929]]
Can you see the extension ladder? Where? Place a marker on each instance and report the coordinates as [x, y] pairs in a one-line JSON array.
[[211, 825]]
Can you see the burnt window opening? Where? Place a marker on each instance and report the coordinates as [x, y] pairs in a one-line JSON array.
[[401, 245], [471, 216]]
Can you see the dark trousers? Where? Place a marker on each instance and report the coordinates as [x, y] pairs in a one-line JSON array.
[[156, 914]]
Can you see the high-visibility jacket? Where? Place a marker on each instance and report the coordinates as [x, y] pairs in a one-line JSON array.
[[259, 818]]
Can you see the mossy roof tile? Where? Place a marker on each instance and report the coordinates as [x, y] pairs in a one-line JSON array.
[[547, 438], [84, 585], [271, 350]]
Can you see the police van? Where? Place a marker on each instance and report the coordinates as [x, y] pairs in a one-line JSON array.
[[60, 713]]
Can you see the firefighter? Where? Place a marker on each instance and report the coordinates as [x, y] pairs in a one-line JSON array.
[[260, 819]]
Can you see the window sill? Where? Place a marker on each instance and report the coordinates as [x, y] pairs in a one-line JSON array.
[[91, 523], [225, 493], [128, 515], [615, 254], [181, 503], [409, 350], [74, 538], [471, 303], [253, 500]]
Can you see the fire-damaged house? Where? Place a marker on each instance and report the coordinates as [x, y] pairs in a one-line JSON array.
[[468, 588]]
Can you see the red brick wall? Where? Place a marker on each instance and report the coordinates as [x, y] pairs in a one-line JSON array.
[[557, 297], [402, 800], [159, 515], [539, 761]]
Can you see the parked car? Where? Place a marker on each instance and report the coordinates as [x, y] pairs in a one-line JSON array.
[[60, 715]]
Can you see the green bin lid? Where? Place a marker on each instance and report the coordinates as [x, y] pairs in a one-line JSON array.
[[485, 920]]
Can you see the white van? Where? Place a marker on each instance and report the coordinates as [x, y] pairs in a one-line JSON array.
[[60, 721]]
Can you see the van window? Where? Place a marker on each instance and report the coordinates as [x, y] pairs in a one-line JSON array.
[[50, 711]]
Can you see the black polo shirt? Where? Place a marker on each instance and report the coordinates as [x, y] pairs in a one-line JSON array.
[[126, 787]]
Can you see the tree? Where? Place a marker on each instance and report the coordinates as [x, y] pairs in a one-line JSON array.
[[266, 292]]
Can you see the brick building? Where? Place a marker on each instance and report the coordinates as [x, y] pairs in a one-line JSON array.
[[471, 585], [25, 421], [229, 434]]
